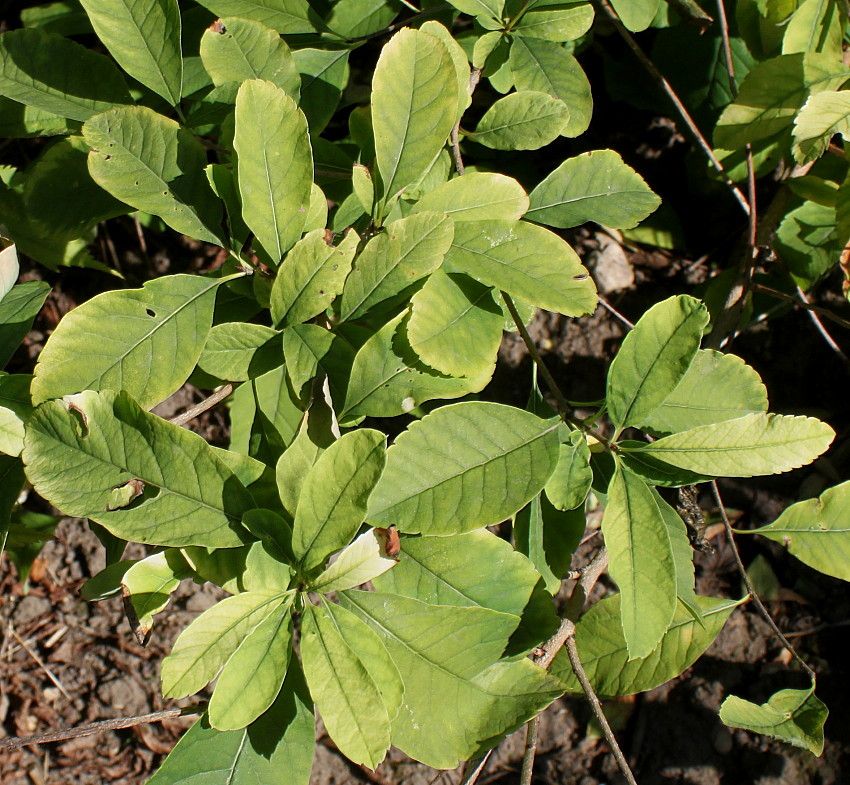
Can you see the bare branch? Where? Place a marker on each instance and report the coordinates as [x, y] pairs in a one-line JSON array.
[[746, 579], [99, 727], [199, 408], [677, 103]]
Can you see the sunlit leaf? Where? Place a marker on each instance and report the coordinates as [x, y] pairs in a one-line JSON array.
[[288, 17], [525, 120]]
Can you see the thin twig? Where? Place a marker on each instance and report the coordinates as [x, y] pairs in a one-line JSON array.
[[800, 303], [474, 78], [532, 734], [49, 673], [473, 768], [98, 727], [578, 669], [614, 312], [677, 103], [819, 326], [199, 408], [750, 589], [563, 404]]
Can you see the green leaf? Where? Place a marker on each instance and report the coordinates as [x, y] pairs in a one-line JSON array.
[[210, 640], [81, 450], [136, 332], [794, 716], [816, 26], [504, 453], [556, 22], [15, 409], [18, 309], [477, 196], [654, 358], [151, 163], [254, 673], [311, 276], [808, 239], [352, 19], [603, 652], [748, 446], [816, 531], [234, 50], [641, 562], [324, 75], [20, 121], [275, 165], [412, 112], [549, 537], [238, 351], [655, 471], [526, 261], [683, 555], [332, 504], [288, 17], [457, 697], [822, 116], [461, 63], [408, 250], [276, 749], [147, 586], [527, 120], [144, 37], [487, 9], [57, 75], [313, 437], [716, 387], [546, 67], [462, 570], [569, 484], [596, 186], [455, 325], [388, 378], [636, 15], [371, 651], [361, 561], [771, 95], [345, 693]]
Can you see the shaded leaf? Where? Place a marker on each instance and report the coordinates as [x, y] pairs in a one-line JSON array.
[[238, 351], [276, 749], [569, 484], [636, 15], [288, 17], [85, 84], [324, 74], [18, 310]]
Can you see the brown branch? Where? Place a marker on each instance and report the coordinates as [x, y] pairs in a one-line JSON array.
[[800, 303], [99, 727], [676, 101], [474, 79], [199, 408], [750, 589]]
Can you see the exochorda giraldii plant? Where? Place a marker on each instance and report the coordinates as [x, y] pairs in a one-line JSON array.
[[391, 304]]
